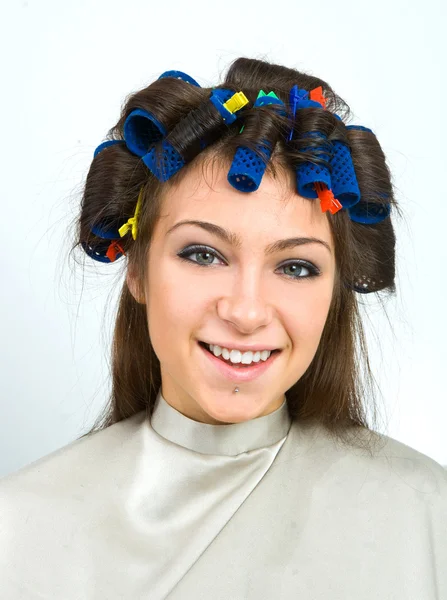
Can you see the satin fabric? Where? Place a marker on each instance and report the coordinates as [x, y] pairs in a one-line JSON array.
[[172, 508]]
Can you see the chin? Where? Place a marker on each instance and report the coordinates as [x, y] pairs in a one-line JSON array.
[[235, 410]]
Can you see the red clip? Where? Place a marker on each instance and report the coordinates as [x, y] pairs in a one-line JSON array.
[[327, 199], [113, 250], [317, 96]]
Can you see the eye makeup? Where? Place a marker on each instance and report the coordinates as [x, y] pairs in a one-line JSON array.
[[188, 251]]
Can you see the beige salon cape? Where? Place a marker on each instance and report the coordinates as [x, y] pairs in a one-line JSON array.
[[259, 510]]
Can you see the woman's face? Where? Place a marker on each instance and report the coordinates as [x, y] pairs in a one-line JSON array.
[[236, 294]]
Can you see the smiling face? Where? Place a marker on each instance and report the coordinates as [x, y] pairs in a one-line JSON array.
[[236, 294]]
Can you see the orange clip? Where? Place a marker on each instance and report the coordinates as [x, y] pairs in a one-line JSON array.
[[113, 250], [317, 96], [327, 199]]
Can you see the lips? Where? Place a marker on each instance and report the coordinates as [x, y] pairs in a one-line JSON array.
[[236, 373]]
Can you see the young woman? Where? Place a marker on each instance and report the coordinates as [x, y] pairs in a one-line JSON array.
[[235, 459]]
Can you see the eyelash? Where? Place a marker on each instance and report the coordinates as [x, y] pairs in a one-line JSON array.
[[197, 249]]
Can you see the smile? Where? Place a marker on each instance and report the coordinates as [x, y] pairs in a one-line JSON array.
[[238, 372]]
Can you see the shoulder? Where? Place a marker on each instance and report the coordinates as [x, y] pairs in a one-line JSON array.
[[55, 509], [378, 461], [80, 462], [412, 467]]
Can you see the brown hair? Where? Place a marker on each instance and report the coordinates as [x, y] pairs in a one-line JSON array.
[[334, 389]]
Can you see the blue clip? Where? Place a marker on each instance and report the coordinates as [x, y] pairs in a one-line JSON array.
[[218, 99], [296, 96], [299, 99]]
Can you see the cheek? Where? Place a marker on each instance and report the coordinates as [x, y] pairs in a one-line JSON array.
[[173, 305], [307, 314]]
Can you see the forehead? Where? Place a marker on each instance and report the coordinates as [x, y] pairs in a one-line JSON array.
[[275, 209]]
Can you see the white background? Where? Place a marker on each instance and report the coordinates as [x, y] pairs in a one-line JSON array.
[[66, 70]]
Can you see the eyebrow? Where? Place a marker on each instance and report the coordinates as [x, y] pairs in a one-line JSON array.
[[235, 240]]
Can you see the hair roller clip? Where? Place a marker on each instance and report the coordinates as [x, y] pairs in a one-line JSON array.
[[314, 181], [227, 103], [108, 251], [179, 75], [303, 99], [114, 251], [316, 95], [296, 98], [103, 251], [327, 199], [132, 223], [106, 229], [247, 168]]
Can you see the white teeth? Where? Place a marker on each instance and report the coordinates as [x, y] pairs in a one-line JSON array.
[[236, 356]]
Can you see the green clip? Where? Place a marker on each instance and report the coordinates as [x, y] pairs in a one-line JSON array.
[[260, 95]]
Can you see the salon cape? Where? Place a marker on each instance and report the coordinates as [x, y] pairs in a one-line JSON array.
[[172, 508]]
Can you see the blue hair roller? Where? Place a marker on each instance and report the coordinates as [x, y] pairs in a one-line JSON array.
[[247, 169], [359, 127], [344, 181], [141, 130], [171, 161], [369, 213], [179, 75], [106, 145], [106, 231], [98, 252], [167, 165], [308, 173]]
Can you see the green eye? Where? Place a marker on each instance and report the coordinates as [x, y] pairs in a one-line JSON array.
[[309, 269]]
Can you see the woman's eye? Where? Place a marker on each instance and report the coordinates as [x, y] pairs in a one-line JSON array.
[[299, 269], [198, 251]]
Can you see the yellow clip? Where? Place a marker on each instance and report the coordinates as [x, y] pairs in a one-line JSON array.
[[236, 102], [133, 221]]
